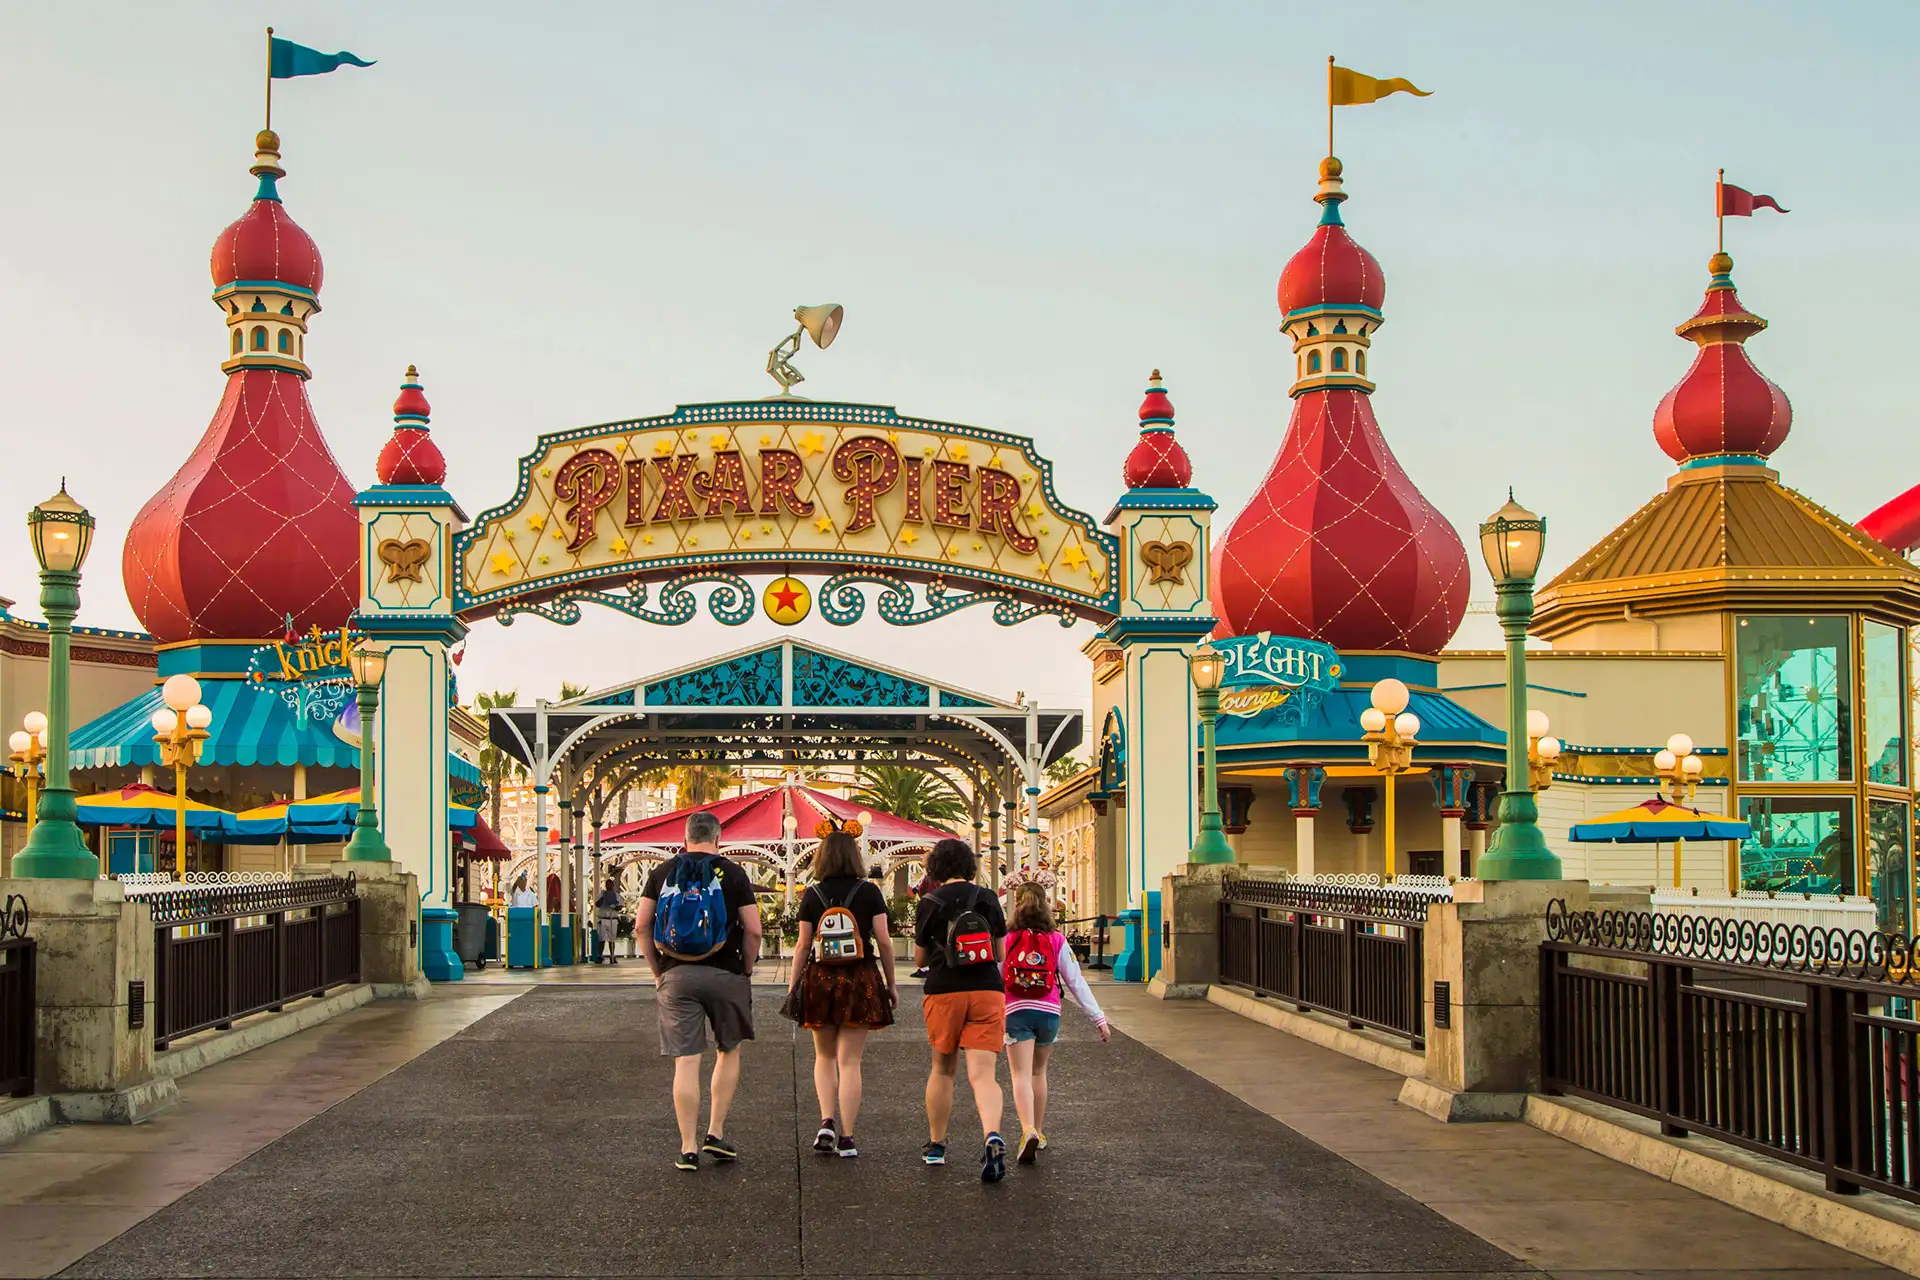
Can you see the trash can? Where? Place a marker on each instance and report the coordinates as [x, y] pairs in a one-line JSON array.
[[470, 933], [526, 938]]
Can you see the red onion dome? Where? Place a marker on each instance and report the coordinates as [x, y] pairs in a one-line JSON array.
[[410, 455], [266, 244], [257, 528], [1332, 269], [1724, 406], [1158, 461], [1338, 545]]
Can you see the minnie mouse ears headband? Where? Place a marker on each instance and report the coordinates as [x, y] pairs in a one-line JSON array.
[[830, 825]]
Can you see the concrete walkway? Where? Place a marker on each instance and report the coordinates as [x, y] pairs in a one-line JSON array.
[[524, 1130]]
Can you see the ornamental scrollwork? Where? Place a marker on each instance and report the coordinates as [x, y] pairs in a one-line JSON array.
[[14, 917], [843, 602], [730, 602], [1864, 955]]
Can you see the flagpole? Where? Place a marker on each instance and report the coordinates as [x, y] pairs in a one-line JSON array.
[[1720, 208], [1329, 104], [269, 78]]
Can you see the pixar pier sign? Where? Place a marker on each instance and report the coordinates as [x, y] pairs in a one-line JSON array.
[[786, 486]]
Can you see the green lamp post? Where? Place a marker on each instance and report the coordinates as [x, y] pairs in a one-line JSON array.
[[369, 666], [1512, 541], [62, 532], [1207, 668]]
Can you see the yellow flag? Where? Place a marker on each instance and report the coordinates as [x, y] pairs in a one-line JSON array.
[[1347, 88]]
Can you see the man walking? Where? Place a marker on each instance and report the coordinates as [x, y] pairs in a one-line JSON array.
[[699, 929], [960, 940]]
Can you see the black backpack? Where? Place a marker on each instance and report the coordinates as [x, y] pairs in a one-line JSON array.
[[969, 937]]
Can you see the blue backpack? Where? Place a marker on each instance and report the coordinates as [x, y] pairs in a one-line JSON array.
[[691, 921]]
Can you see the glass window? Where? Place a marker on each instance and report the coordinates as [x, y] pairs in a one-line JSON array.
[[1890, 865], [1794, 694], [1886, 658], [1798, 844]]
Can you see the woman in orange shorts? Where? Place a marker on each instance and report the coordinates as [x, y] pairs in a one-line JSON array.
[[960, 940]]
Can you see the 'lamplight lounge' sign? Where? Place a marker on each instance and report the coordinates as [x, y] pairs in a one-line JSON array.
[[1263, 672]]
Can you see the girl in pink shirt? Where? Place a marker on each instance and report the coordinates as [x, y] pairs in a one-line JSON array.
[[1039, 963]]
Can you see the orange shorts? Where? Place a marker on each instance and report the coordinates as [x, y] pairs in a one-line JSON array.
[[959, 1020]]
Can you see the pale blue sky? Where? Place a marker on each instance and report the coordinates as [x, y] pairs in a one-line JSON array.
[[568, 213]]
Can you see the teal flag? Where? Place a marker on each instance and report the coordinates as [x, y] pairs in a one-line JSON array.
[[290, 60]]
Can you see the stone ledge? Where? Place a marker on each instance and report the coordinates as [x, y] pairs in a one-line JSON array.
[[1161, 989], [1457, 1106], [418, 988], [20, 1117], [208, 1047], [134, 1104], [1323, 1031], [1871, 1225]]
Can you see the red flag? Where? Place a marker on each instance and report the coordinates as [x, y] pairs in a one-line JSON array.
[[1738, 202]]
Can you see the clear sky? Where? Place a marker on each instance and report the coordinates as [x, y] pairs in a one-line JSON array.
[[567, 213]]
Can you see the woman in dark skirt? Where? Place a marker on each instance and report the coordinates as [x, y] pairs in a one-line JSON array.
[[843, 985]]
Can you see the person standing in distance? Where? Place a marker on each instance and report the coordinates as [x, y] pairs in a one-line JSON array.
[[960, 940], [699, 929]]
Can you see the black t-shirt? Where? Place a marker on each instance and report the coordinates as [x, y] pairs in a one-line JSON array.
[[937, 910], [866, 902], [739, 893]]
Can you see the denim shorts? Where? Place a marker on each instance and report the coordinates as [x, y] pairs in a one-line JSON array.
[[1032, 1024]]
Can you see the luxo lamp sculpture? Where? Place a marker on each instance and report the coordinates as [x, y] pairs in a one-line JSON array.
[[1390, 732], [822, 324]]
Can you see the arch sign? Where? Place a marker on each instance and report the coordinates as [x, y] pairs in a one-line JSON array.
[[935, 515]]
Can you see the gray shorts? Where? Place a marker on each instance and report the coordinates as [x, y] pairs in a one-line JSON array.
[[693, 995]]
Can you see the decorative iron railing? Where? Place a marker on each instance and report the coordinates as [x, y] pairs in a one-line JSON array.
[[222, 952], [1783, 1039], [1355, 953], [1088, 938], [142, 883], [17, 1016]]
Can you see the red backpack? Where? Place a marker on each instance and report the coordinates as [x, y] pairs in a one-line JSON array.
[[1033, 965]]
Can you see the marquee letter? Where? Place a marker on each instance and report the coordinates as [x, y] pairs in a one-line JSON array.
[[916, 501], [870, 467], [999, 496], [588, 480], [727, 486], [950, 495], [636, 492], [674, 473], [781, 471]]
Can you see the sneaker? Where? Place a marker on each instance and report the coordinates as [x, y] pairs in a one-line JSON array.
[[1043, 1140], [934, 1153], [993, 1162], [719, 1148], [847, 1150], [828, 1138], [1029, 1148], [688, 1160], [918, 973]]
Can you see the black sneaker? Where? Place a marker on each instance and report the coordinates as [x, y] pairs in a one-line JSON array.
[[826, 1141], [1029, 1149], [847, 1150], [719, 1148], [688, 1160], [918, 973], [934, 1153], [993, 1162]]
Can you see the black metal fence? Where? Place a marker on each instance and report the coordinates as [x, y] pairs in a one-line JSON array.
[[1357, 953], [222, 952], [1088, 938], [17, 1008], [1779, 1038]]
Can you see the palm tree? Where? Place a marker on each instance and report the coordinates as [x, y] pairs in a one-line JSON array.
[[909, 793], [698, 784], [496, 766], [568, 689], [1064, 768]]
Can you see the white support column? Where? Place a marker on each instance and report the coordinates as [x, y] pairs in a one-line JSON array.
[[1303, 820], [542, 780], [409, 611], [1450, 828], [1032, 852]]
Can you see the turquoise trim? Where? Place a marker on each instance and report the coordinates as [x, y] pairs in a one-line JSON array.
[[1330, 211], [414, 627], [1724, 460], [263, 286], [408, 497], [266, 190], [1334, 309], [1162, 500], [1131, 627]]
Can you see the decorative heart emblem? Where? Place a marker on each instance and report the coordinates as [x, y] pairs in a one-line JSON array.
[[404, 559], [1167, 560]]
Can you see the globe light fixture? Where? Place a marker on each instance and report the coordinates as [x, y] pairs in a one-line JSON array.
[[1390, 731], [28, 746], [1680, 769], [179, 727]]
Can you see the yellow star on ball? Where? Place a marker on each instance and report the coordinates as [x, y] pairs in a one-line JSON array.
[[536, 522]]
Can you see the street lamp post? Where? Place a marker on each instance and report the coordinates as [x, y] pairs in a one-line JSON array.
[[1390, 731], [1680, 769], [62, 533], [369, 666], [178, 730], [1512, 541], [29, 747], [1543, 751], [1207, 669]]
